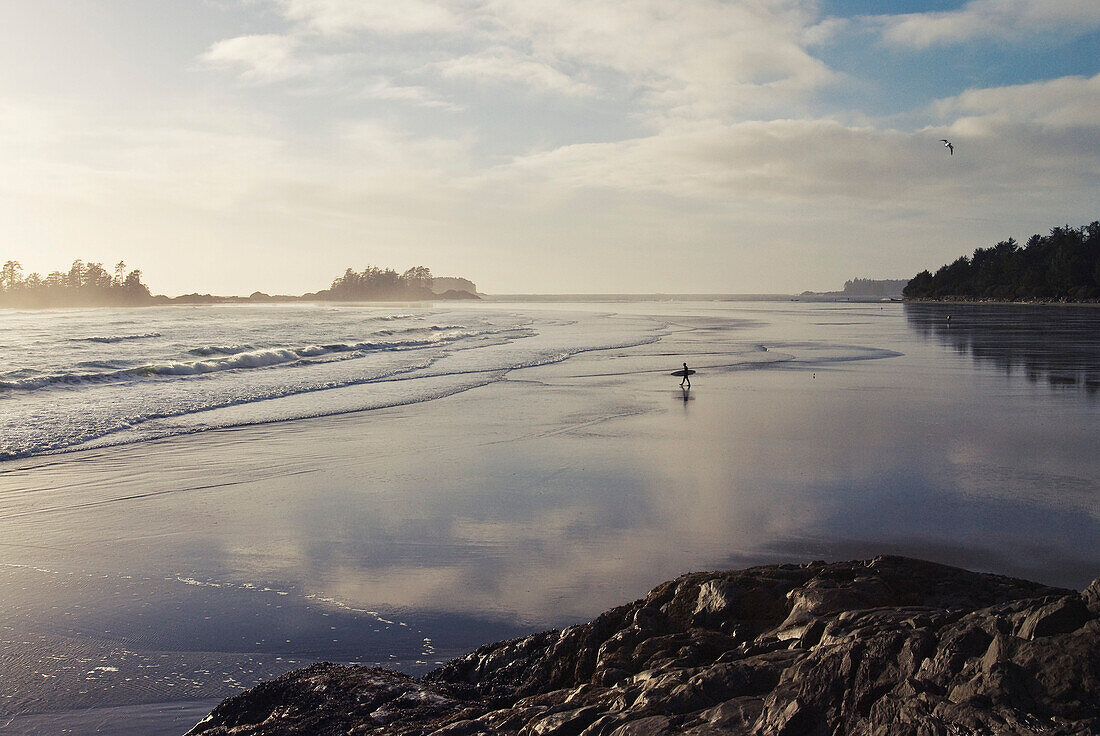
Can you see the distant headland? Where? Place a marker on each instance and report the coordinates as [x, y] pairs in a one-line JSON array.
[[860, 289], [1063, 266], [91, 285]]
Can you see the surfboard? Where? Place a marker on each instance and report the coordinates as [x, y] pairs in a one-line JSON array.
[[681, 372]]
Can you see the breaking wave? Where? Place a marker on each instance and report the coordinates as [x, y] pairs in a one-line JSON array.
[[236, 367], [118, 338], [224, 358]]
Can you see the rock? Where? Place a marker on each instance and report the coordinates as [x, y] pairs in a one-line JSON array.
[[889, 646], [715, 602], [1060, 617], [562, 723], [1091, 596]]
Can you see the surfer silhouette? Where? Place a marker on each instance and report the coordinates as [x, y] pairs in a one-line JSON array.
[[685, 373]]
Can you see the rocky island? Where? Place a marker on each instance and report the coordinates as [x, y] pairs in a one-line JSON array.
[[890, 646], [90, 285]]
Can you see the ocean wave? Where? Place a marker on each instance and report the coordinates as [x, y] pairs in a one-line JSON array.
[[306, 379], [209, 350], [117, 338], [235, 358], [413, 330]]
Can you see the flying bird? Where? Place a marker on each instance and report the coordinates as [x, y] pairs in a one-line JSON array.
[[947, 144]]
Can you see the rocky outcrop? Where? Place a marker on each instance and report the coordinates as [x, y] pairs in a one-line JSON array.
[[457, 294], [443, 284], [884, 647]]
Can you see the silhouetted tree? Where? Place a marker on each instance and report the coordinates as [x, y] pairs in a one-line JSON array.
[[76, 275], [1063, 265], [377, 284], [84, 284], [10, 276]]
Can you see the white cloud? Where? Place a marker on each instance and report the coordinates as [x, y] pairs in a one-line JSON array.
[[383, 16], [757, 160], [687, 59], [502, 64], [381, 88], [265, 57], [1057, 103], [382, 151], [1036, 140], [1013, 145], [990, 19], [217, 159], [825, 31], [694, 59]]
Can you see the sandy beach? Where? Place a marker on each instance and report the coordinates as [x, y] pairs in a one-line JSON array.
[[184, 569]]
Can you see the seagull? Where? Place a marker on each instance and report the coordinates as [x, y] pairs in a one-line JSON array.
[[947, 144]]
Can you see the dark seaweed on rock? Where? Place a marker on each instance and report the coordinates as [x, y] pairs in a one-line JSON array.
[[890, 646]]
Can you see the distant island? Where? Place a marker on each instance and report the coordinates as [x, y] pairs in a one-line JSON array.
[[1061, 267], [91, 285], [860, 289]]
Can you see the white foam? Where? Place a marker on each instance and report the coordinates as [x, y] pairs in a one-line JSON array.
[[316, 371]]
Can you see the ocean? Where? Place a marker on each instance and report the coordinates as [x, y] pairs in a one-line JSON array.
[[197, 498], [82, 378]]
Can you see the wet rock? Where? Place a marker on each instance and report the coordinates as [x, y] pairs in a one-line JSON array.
[[889, 646]]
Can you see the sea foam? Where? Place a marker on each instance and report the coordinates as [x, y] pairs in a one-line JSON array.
[[196, 369]]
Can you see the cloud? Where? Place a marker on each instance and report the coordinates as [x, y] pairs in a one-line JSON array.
[[265, 57], [692, 59], [506, 65], [1037, 139], [1067, 102], [695, 59], [1012, 144], [382, 16], [997, 19], [219, 160], [756, 160], [381, 88]]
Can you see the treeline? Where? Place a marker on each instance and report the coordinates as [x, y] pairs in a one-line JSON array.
[[91, 285], [1062, 266], [83, 285], [874, 287], [380, 284]]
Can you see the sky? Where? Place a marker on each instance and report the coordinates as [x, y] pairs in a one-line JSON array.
[[542, 146]]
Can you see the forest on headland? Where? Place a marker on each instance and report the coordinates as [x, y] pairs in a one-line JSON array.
[[83, 285], [91, 285], [1063, 266]]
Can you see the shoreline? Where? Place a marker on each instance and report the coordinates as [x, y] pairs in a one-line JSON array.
[[1006, 302], [891, 645], [602, 480]]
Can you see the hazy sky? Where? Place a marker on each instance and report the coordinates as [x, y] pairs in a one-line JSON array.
[[541, 145]]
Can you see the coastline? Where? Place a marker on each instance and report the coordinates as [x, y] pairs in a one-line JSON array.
[[889, 645], [534, 501], [1009, 302]]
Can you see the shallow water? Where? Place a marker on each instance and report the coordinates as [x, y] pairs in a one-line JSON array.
[[181, 569], [99, 377]]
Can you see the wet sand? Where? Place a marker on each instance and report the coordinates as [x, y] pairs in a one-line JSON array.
[[183, 570]]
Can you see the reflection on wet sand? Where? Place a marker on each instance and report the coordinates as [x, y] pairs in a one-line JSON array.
[[408, 535], [1059, 345]]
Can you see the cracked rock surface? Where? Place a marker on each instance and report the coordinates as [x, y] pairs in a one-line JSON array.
[[884, 647]]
